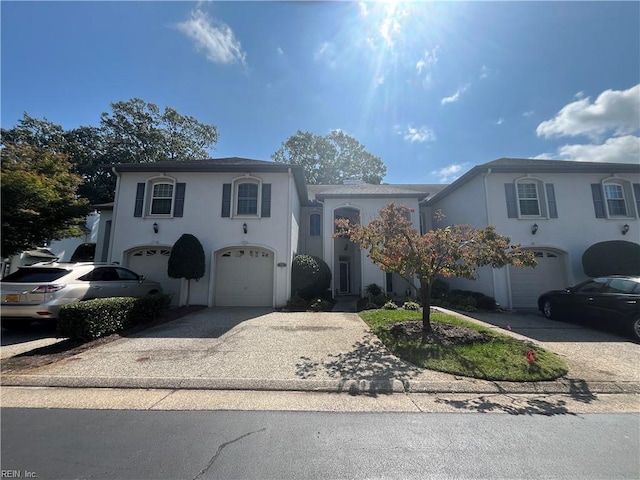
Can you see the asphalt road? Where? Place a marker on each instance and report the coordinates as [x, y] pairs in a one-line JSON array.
[[96, 444]]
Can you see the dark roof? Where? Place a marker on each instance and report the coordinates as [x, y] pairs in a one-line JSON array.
[[530, 165], [103, 206]]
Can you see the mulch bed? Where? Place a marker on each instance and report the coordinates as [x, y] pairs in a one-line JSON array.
[[68, 348], [443, 333]]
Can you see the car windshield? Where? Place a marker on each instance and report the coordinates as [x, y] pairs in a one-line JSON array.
[[35, 275]]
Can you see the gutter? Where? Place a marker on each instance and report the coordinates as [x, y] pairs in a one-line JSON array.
[[114, 222]]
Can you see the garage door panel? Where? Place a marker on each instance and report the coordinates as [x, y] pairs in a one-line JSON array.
[[152, 262], [244, 277], [528, 283]]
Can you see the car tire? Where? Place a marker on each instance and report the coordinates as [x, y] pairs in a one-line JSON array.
[[548, 309], [635, 329]]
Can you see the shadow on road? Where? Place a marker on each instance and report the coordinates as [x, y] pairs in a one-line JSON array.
[[34, 331]]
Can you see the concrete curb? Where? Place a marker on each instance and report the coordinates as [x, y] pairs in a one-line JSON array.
[[569, 386]]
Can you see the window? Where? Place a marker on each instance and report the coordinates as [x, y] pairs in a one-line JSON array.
[[314, 224], [161, 199], [614, 194], [621, 285], [246, 197], [528, 199]]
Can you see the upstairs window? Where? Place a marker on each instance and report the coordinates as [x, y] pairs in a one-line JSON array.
[[614, 194], [161, 199], [528, 199], [247, 199], [314, 224]]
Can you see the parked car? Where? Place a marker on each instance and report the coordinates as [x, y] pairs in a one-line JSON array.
[[38, 291], [614, 299]]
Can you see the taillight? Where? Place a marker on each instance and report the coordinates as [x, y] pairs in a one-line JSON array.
[[47, 288]]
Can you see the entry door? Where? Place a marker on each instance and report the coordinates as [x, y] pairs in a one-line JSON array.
[[345, 280]]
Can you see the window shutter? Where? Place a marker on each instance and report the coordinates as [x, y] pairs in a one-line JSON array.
[[551, 200], [512, 205], [137, 212], [636, 193], [266, 200], [179, 206], [226, 200], [598, 204]]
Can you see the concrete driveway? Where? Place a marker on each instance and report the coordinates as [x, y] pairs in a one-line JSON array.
[[591, 353], [258, 349]]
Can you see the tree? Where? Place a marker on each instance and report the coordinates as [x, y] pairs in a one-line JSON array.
[[457, 251], [331, 159], [39, 198], [187, 260], [614, 257]]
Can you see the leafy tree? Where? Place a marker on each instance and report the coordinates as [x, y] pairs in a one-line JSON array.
[[330, 159], [614, 257], [39, 198], [187, 260], [456, 251], [310, 277]]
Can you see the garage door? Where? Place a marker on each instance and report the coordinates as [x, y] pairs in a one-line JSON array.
[[152, 263], [244, 277], [528, 283]]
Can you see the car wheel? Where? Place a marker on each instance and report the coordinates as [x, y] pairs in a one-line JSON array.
[[548, 310], [635, 329]]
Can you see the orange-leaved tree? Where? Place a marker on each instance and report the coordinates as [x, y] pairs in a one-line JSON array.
[[455, 251]]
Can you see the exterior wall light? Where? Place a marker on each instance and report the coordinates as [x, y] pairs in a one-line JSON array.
[[156, 228], [534, 228], [625, 229], [245, 229]]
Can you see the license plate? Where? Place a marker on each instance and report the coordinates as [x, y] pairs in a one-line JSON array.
[[12, 298]]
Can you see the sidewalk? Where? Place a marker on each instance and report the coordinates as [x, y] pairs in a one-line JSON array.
[[257, 349]]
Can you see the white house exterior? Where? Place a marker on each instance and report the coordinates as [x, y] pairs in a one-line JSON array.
[[252, 217], [557, 209]]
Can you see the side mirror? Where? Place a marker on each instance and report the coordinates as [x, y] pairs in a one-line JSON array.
[[141, 278]]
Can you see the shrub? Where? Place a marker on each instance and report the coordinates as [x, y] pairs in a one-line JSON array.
[[297, 304], [474, 299], [373, 290], [321, 305], [103, 316], [411, 306], [379, 300], [439, 288], [310, 277], [390, 306]]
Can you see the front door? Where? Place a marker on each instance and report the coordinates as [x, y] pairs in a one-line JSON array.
[[345, 280]]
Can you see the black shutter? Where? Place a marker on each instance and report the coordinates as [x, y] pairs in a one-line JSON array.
[[226, 200], [137, 212], [510, 194], [178, 209], [636, 193], [598, 204], [551, 201], [266, 200]]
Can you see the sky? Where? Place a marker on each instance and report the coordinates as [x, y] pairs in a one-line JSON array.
[[431, 88]]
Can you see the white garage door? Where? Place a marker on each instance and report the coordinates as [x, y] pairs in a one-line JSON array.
[[244, 277], [152, 263], [528, 283]]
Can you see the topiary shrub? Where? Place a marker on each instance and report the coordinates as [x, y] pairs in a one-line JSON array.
[[615, 257], [411, 306], [103, 316], [297, 304], [310, 277], [373, 289], [187, 260]]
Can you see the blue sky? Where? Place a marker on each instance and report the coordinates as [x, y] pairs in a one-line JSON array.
[[431, 88]]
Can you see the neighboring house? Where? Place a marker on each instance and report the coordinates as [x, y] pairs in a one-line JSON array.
[[555, 208], [252, 217]]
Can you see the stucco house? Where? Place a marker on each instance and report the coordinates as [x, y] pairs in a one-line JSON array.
[[252, 217]]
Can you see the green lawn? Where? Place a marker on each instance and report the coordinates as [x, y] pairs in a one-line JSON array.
[[504, 358]]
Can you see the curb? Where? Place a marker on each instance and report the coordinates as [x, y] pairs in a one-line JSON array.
[[355, 387]]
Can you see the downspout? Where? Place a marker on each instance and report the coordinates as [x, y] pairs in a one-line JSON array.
[[114, 222]]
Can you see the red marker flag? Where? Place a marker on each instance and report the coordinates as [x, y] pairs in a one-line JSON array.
[[530, 357]]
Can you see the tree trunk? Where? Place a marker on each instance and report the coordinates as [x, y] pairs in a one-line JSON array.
[[188, 291], [425, 296]]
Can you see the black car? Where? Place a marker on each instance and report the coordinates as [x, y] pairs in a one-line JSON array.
[[614, 299]]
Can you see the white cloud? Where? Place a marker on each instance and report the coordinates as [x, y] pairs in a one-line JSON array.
[[450, 173], [280, 51], [214, 37], [456, 96], [624, 149], [420, 134], [500, 121], [484, 72], [428, 60], [364, 11], [327, 53], [528, 113], [616, 111]]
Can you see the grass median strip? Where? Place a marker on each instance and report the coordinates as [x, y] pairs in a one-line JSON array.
[[474, 351]]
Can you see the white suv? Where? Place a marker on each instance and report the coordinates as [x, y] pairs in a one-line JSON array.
[[37, 292]]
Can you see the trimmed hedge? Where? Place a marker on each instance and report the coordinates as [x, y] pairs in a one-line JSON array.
[[103, 316], [310, 277]]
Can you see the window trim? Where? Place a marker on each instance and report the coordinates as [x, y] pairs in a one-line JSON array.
[[631, 203], [319, 215], [621, 186], [536, 183], [148, 197], [235, 197]]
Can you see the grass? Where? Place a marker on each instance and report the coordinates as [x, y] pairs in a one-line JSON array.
[[504, 358]]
